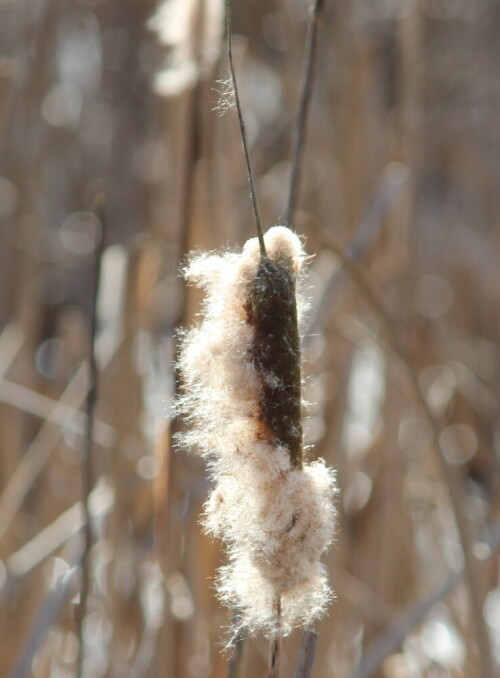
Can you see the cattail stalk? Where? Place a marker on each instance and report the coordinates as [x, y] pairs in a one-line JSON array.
[[88, 466], [275, 649], [243, 131], [306, 90]]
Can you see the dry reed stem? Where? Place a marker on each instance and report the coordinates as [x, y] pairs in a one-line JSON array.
[[54, 535], [276, 642], [241, 121], [306, 655], [44, 407], [299, 133], [455, 491], [236, 663], [88, 462]]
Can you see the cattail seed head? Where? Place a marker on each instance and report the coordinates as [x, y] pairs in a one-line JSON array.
[[241, 373]]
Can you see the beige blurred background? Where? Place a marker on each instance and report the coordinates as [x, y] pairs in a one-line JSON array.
[[401, 171]]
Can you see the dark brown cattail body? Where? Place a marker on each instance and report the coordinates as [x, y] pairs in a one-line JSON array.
[[272, 310]]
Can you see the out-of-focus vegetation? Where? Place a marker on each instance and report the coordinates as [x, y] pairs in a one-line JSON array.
[[401, 168]]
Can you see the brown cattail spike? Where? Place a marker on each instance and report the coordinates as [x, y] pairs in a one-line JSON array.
[[272, 310]]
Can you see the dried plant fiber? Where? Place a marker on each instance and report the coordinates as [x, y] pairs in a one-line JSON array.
[[241, 373]]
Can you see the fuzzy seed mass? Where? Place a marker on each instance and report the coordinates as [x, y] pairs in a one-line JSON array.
[[241, 398]]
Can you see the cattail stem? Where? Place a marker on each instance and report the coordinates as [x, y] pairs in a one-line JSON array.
[[275, 649], [236, 664], [306, 655], [299, 132], [243, 131], [88, 467]]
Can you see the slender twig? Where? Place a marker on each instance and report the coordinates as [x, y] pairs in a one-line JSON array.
[[43, 407], [306, 655], [274, 657], [275, 649], [88, 467], [243, 131], [473, 588], [299, 132]]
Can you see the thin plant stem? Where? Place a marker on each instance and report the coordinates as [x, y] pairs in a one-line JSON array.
[[235, 665], [455, 492], [47, 541], [306, 655], [44, 407], [243, 131], [299, 132], [275, 649], [88, 466]]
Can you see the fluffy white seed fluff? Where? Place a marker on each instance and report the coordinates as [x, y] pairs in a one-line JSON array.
[[192, 32], [275, 520]]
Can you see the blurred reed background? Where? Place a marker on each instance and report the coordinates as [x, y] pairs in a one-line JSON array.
[[400, 175]]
